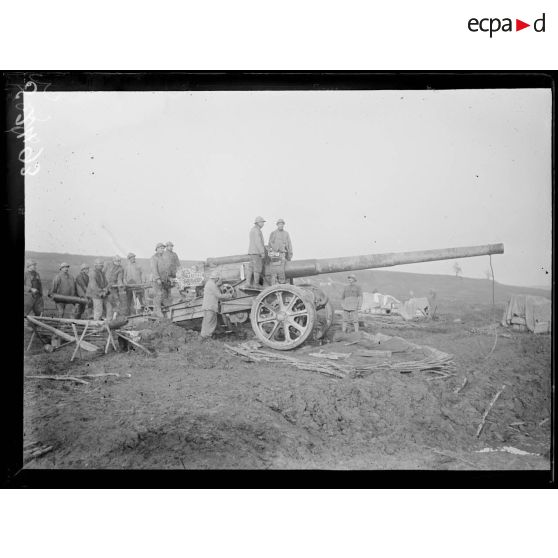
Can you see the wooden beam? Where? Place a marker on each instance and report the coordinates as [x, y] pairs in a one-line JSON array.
[[97, 323]]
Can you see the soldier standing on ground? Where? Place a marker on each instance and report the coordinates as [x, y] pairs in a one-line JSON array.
[[210, 306], [351, 301], [97, 289], [133, 275], [171, 259], [256, 250], [32, 290], [82, 280], [280, 251], [160, 278], [114, 273], [63, 284]]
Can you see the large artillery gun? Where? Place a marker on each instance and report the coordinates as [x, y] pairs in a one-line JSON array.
[[284, 316]]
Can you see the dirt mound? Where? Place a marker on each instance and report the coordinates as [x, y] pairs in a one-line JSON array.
[[161, 335], [195, 405]]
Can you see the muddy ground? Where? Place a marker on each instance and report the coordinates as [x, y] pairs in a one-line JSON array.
[[193, 405]]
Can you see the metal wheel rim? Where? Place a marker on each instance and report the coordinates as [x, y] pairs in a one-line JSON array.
[[283, 317]]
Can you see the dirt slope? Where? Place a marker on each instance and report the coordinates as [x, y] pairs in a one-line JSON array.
[[194, 405]]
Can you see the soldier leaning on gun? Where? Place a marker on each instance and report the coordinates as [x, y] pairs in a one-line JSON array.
[[114, 273], [210, 305], [133, 275], [160, 278], [82, 280], [63, 284], [32, 290], [97, 289]]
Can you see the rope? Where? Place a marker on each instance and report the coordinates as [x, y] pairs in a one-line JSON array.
[[493, 309], [492, 273]]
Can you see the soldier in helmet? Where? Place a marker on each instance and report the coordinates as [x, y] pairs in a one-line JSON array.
[[210, 306], [97, 289], [32, 290], [63, 284], [171, 259], [160, 278], [82, 280], [351, 301], [256, 250], [133, 275], [280, 251], [114, 273]]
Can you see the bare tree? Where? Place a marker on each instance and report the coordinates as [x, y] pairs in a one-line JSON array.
[[457, 269]]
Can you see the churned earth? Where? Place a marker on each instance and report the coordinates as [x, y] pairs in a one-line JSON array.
[[194, 405]]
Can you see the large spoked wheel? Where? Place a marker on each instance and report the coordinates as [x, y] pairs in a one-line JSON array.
[[283, 317]]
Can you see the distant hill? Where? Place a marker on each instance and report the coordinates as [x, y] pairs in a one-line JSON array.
[[448, 289]]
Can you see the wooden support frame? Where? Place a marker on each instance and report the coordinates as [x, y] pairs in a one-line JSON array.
[[78, 341], [90, 327], [110, 340]]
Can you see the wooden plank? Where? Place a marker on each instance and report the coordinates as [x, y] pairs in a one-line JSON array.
[[80, 341], [60, 378], [97, 323], [133, 342], [85, 344], [373, 353]]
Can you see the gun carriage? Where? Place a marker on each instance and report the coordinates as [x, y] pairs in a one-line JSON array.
[[284, 316]]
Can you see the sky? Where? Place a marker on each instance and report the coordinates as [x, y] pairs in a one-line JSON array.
[[351, 173]]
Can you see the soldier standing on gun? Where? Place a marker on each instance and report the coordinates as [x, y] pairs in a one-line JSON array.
[[351, 301], [82, 280], [133, 275], [210, 306], [32, 290], [160, 277], [63, 284], [280, 251], [97, 289], [114, 273], [256, 250]]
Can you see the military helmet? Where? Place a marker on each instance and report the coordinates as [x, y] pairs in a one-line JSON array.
[[64, 264], [159, 245], [29, 263], [259, 219], [131, 255], [84, 266], [169, 243], [280, 221]]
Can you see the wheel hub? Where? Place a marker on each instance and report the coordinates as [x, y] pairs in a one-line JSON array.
[[281, 316]]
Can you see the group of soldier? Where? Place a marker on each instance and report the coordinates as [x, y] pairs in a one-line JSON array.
[[109, 285], [278, 250]]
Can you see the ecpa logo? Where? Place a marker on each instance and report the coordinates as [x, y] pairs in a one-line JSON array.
[[492, 25]]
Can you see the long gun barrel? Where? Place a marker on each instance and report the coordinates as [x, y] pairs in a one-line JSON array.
[[306, 268], [69, 299]]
